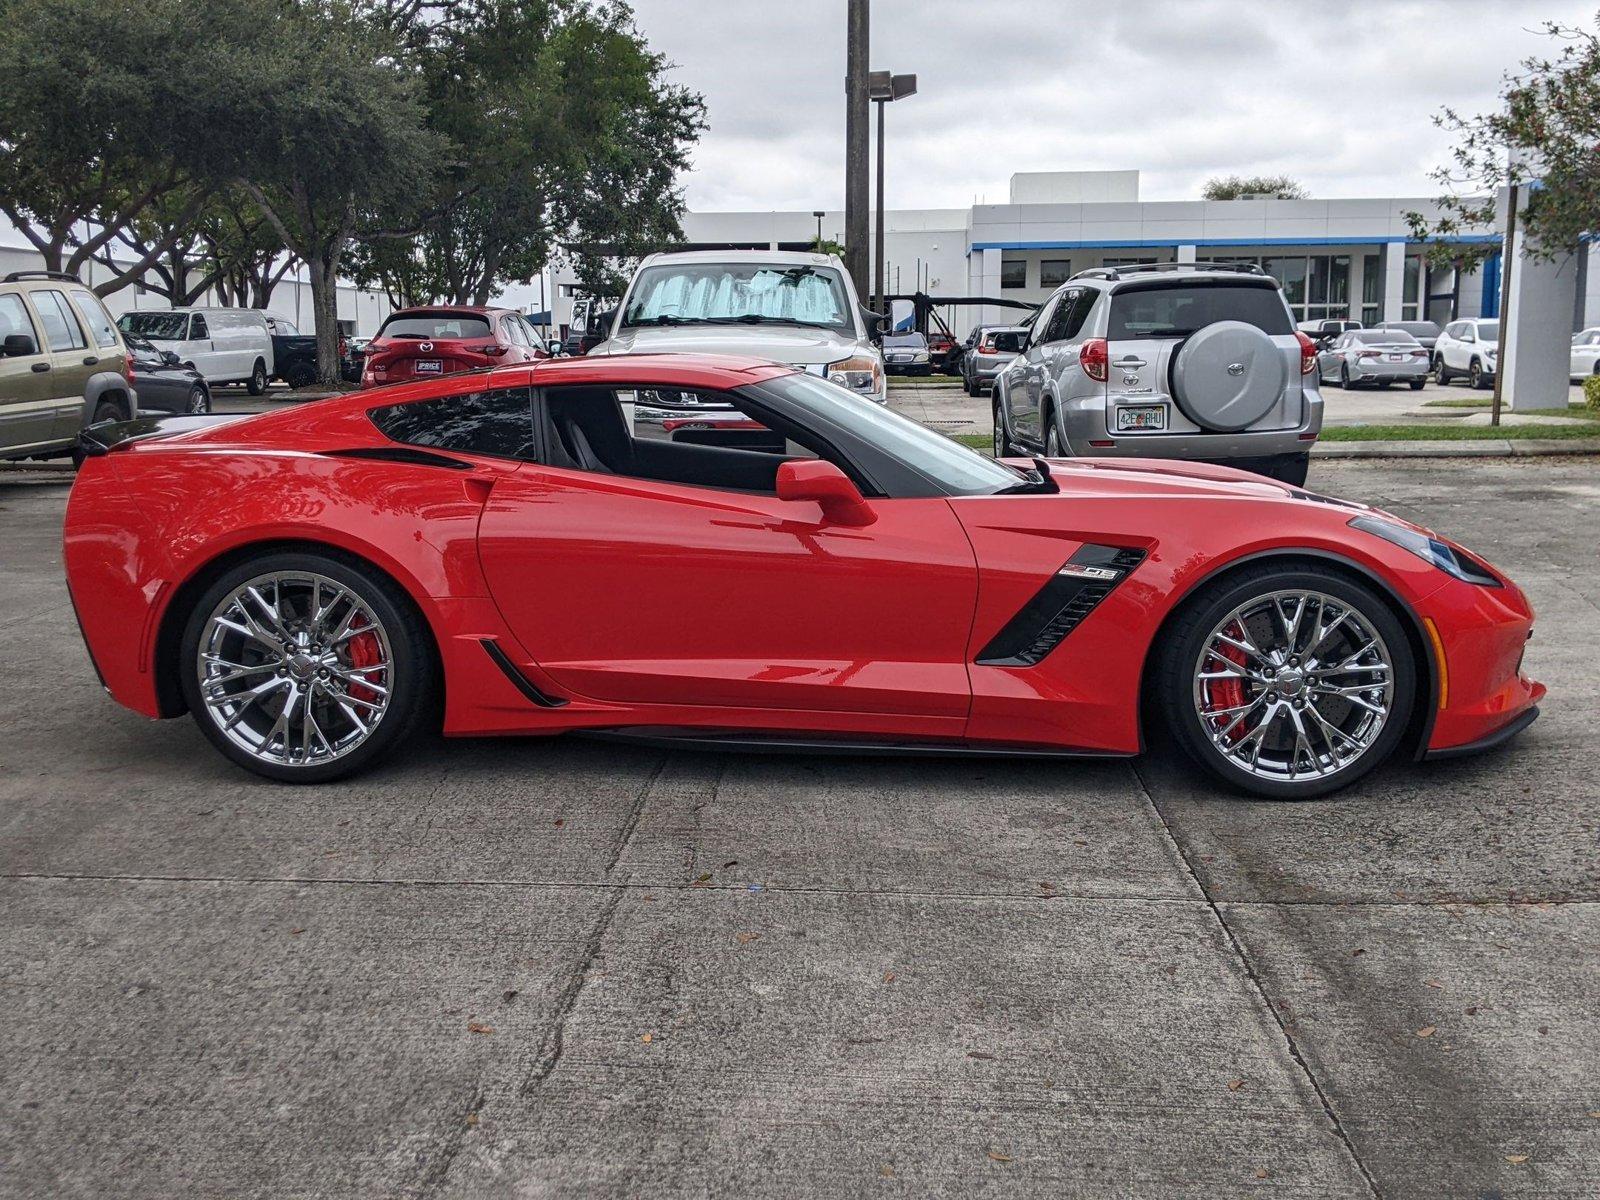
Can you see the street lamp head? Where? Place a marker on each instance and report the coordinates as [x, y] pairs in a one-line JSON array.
[[885, 86]]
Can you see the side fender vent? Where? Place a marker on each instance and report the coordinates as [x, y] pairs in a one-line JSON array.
[[1060, 606]]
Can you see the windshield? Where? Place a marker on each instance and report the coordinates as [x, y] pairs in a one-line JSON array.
[[1163, 310], [958, 470], [443, 326], [156, 326], [1384, 337], [905, 339], [739, 293], [1488, 331], [1417, 328]]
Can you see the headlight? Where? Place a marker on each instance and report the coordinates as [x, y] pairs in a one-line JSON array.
[[1431, 550], [862, 373]]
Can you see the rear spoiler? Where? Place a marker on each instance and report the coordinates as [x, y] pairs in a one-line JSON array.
[[112, 435]]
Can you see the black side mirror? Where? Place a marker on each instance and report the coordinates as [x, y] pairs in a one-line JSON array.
[[168, 358], [597, 330], [19, 345], [876, 324], [1008, 343]]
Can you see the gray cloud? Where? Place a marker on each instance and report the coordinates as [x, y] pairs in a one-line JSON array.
[[1339, 95]]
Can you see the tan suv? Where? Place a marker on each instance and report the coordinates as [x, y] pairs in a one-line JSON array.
[[62, 364]]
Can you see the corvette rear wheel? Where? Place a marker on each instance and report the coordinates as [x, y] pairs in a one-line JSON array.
[[1289, 683], [304, 668]]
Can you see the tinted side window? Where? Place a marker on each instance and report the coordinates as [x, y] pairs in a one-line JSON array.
[[498, 423], [14, 318], [1072, 321], [197, 328], [61, 329], [96, 317]]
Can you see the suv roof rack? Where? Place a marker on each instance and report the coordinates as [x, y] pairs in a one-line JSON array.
[[1240, 268], [63, 276]]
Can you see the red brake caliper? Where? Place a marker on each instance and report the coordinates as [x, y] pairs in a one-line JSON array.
[[364, 651], [1229, 692]]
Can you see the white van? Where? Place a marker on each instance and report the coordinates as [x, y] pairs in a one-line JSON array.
[[226, 345]]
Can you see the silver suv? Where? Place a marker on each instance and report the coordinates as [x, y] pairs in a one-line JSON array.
[[1178, 360]]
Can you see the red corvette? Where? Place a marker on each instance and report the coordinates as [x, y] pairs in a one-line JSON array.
[[506, 553], [443, 339]]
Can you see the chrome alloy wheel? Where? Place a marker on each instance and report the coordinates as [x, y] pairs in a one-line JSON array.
[[294, 668], [1294, 685]]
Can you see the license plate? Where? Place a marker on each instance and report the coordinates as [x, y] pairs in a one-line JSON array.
[[428, 366], [1398, 357], [1141, 417]]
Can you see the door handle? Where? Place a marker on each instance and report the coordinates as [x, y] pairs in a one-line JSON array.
[[1129, 360], [90, 361], [40, 368]]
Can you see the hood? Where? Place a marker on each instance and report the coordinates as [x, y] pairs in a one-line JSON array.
[[795, 345]]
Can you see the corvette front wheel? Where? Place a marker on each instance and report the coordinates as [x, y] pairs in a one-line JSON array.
[[304, 668], [1288, 682]]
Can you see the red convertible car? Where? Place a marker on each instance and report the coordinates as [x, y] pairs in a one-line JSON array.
[[499, 553]]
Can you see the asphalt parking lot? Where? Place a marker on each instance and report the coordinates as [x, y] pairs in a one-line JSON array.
[[502, 968]]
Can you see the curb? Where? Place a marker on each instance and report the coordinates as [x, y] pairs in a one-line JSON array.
[[1483, 448]]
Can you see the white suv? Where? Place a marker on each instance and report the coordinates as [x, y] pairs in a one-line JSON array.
[[1470, 348], [792, 307]]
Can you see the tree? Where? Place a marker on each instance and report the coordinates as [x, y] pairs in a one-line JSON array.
[[93, 141], [1232, 187], [1542, 138], [329, 141], [568, 135]]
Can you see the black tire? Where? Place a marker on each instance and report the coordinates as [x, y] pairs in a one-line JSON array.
[[108, 410], [1184, 641], [257, 384], [1416, 384], [199, 401], [1002, 443], [412, 682], [1475, 376], [1441, 373], [1384, 383], [301, 375], [1344, 376], [1052, 437], [1291, 470]]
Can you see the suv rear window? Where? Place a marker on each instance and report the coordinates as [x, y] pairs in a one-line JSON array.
[[1166, 310], [441, 326]]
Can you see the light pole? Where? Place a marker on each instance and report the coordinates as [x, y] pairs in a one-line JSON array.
[[883, 88], [819, 214]]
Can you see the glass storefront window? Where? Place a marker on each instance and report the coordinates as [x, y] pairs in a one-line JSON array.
[[1291, 272]]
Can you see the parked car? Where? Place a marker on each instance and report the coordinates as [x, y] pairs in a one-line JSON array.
[[907, 353], [996, 346], [788, 306], [1374, 356], [163, 381], [62, 364], [1470, 348], [294, 354], [1324, 329], [941, 350], [1426, 332], [226, 345], [500, 554], [1586, 353], [441, 339], [1177, 360]]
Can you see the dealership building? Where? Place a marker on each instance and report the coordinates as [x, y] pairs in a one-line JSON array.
[[1335, 258]]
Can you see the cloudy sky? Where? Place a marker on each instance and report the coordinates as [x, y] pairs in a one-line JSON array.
[[1338, 93]]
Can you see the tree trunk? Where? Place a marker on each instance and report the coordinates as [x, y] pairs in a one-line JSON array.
[[325, 310]]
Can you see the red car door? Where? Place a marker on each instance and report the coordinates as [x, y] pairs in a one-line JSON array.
[[644, 592]]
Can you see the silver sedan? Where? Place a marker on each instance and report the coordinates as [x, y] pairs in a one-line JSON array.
[[1377, 357]]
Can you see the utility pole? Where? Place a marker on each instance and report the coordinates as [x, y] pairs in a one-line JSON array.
[[856, 143], [1508, 251]]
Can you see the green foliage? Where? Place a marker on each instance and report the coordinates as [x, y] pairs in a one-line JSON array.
[[1231, 187], [822, 245], [564, 131], [1546, 130], [1591, 392]]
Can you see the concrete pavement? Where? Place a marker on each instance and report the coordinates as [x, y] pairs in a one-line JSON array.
[[503, 968]]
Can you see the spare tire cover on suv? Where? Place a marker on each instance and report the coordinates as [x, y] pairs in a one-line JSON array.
[[1228, 376]]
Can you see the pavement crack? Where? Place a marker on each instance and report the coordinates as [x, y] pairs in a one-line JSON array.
[[434, 1179], [552, 1043], [1261, 990]]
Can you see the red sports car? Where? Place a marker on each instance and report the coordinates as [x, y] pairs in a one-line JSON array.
[[422, 343], [499, 552]]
